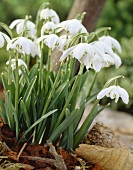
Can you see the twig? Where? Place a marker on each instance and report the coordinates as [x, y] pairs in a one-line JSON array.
[[20, 152], [39, 159], [60, 164]]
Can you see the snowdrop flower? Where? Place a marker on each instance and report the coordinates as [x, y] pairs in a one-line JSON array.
[[20, 26], [87, 54], [109, 57], [35, 50], [13, 64], [111, 42], [49, 13], [65, 41], [52, 41], [21, 44], [49, 27], [72, 27], [114, 92], [117, 61], [105, 49], [3, 38]]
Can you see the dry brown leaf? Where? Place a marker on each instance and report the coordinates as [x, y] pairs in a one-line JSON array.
[[106, 158]]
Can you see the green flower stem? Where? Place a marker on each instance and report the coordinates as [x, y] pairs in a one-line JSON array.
[[17, 95], [48, 71], [85, 126], [92, 85], [27, 57], [9, 70], [76, 83], [40, 81], [72, 67], [112, 79]]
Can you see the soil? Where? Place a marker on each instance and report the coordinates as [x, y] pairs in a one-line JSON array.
[[51, 157], [37, 156]]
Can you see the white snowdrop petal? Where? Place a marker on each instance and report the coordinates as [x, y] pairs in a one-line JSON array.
[[26, 48], [114, 94], [40, 39], [6, 37], [112, 42], [102, 93], [72, 26], [1, 41], [46, 13], [123, 94], [117, 61], [116, 44], [79, 51], [66, 53], [20, 27], [97, 64], [14, 23]]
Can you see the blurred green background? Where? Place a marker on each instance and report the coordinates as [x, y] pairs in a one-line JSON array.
[[116, 13]]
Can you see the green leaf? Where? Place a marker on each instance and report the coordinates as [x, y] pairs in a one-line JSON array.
[[4, 81], [9, 109], [76, 83], [91, 37], [25, 113], [58, 92], [68, 120], [33, 72], [3, 111], [29, 90], [3, 25], [37, 122], [86, 124]]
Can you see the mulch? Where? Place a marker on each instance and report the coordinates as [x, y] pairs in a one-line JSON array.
[[36, 156]]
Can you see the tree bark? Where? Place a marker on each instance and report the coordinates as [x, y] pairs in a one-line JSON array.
[[93, 9]]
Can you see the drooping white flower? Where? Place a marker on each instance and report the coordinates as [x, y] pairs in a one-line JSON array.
[[22, 24], [49, 13], [65, 41], [35, 50], [49, 27], [109, 57], [52, 41], [103, 48], [72, 27], [87, 54], [111, 42], [13, 64], [3, 38], [114, 92], [21, 44], [117, 61]]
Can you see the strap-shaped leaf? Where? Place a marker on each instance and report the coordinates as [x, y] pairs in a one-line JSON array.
[[5, 81], [6, 27], [33, 72], [37, 122], [85, 126], [67, 121], [3, 111], [25, 113], [29, 90]]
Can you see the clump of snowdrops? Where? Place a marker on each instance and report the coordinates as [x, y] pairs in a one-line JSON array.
[[42, 104]]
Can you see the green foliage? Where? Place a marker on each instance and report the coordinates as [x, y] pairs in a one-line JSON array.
[[45, 101], [117, 14], [126, 69]]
